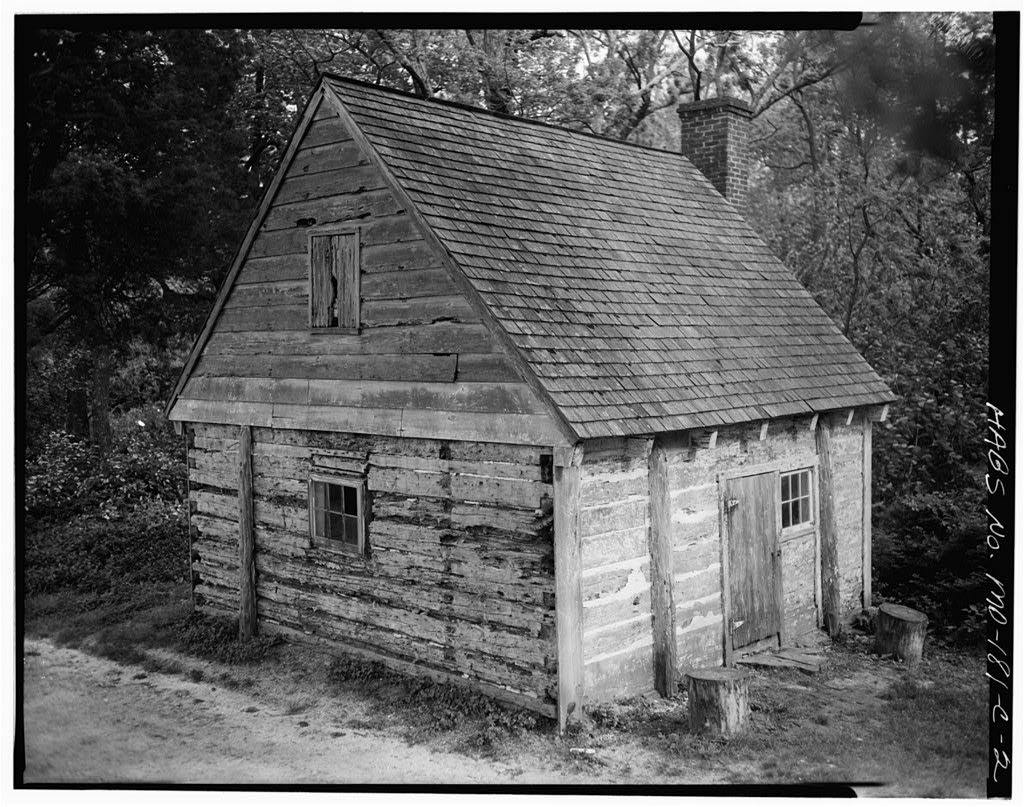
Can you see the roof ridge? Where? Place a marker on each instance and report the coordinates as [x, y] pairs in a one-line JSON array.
[[502, 115]]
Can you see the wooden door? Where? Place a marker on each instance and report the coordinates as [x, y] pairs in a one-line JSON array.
[[754, 573]]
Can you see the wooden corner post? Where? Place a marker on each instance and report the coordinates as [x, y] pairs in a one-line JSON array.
[[660, 547], [866, 518], [246, 540], [829, 538], [568, 584]]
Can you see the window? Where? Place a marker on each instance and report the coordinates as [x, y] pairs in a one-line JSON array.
[[334, 280], [337, 514], [796, 498]]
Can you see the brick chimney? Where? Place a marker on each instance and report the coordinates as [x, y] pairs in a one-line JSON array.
[[715, 136]]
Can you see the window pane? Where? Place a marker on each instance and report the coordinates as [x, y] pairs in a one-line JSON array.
[[351, 501], [337, 527], [785, 488], [786, 521], [798, 512], [335, 498], [351, 530], [319, 523], [319, 496]]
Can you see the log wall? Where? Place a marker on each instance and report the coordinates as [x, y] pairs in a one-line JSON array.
[[694, 467], [459, 581], [847, 484], [614, 522], [421, 354]]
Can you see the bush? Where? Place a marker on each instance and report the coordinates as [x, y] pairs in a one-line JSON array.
[[145, 544], [145, 462], [927, 554], [216, 638]]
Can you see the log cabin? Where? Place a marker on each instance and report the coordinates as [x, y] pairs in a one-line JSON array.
[[522, 408]]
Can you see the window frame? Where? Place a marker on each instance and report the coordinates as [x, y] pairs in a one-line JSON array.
[[811, 496], [322, 542], [327, 232]]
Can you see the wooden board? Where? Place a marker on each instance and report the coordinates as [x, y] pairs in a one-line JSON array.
[[662, 600], [247, 619], [829, 538], [568, 594], [754, 576], [866, 517]]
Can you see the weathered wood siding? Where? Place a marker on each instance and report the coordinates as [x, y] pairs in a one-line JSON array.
[[421, 348], [459, 582], [614, 521], [789, 444]]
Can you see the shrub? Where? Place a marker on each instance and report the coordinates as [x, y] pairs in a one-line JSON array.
[[216, 638], [145, 544], [928, 554], [69, 477]]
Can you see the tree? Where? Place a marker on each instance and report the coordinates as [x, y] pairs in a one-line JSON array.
[[133, 188], [875, 193]]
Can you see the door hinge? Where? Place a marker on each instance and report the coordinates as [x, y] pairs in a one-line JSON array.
[[732, 504]]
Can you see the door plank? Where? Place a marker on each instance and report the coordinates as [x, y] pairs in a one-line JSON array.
[[750, 512]]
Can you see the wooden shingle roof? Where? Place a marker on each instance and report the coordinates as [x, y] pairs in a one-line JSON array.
[[639, 297]]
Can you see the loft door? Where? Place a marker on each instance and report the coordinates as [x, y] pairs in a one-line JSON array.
[[754, 573]]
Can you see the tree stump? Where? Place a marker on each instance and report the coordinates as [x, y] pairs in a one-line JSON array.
[[719, 704], [900, 630]]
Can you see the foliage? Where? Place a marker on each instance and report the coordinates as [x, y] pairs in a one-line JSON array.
[[148, 151], [147, 544], [134, 191], [216, 638], [482, 724], [874, 190], [71, 478]]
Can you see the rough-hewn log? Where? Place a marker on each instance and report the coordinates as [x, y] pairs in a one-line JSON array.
[[246, 541], [568, 590], [719, 702], [829, 537], [662, 602], [900, 630]]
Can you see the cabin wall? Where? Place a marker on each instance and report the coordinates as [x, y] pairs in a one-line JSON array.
[[459, 581], [847, 448], [614, 524], [694, 470], [616, 556]]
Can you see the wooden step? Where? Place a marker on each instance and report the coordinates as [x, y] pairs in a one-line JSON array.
[[786, 657]]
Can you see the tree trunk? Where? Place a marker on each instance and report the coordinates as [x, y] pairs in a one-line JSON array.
[[99, 398], [76, 419], [718, 701], [900, 630]]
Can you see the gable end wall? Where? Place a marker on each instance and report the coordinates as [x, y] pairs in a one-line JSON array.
[[423, 363]]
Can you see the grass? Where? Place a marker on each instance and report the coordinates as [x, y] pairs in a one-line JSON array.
[[917, 731], [122, 625], [447, 716]]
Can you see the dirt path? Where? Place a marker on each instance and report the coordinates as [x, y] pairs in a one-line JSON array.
[[88, 719]]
